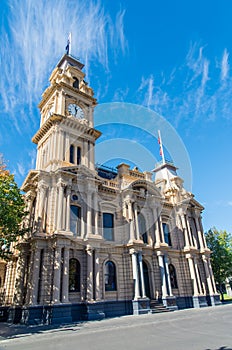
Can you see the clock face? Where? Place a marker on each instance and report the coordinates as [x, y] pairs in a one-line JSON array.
[[75, 110]]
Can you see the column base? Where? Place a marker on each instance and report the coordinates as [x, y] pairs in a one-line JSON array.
[[213, 300], [141, 306], [199, 301], [170, 302]]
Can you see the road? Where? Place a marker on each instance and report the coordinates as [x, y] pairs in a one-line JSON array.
[[193, 329]]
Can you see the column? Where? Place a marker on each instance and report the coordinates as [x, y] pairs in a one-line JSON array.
[[89, 213], [89, 273], [136, 222], [161, 229], [192, 274], [199, 233], [168, 275], [20, 273], [135, 274], [92, 166], [65, 279], [189, 232], [186, 237], [96, 213], [56, 281], [68, 208], [162, 273], [212, 276], [60, 206], [97, 276], [35, 277], [140, 259], [208, 277], [156, 227], [198, 277]]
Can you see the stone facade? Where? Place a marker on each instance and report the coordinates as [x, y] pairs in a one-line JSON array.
[[103, 242]]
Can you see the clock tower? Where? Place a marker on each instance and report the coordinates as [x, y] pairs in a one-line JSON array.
[[66, 136]]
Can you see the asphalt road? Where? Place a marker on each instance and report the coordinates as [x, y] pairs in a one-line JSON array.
[[193, 329]]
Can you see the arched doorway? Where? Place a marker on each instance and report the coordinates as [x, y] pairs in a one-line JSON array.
[[146, 280]]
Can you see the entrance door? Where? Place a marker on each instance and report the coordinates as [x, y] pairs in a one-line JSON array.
[[146, 280]]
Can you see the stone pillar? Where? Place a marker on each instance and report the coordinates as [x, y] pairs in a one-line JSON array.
[[156, 227], [162, 273], [135, 274], [56, 281], [65, 279], [192, 274], [89, 213], [198, 277], [161, 229], [136, 222], [212, 276], [20, 274], [97, 276], [208, 276], [35, 277], [140, 259], [189, 232], [89, 252], [168, 275], [186, 237], [60, 206], [68, 208], [199, 233], [91, 151], [96, 213]]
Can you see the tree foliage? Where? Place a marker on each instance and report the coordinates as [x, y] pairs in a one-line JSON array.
[[220, 243], [12, 211]]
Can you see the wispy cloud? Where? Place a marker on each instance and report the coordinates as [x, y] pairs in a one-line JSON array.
[[35, 38], [225, 67], [194, 90]]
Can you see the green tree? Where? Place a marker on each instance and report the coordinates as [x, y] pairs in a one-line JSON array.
[[220, 243], [12, 211]]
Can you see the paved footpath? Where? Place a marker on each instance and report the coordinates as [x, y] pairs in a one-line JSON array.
[[192, 329]]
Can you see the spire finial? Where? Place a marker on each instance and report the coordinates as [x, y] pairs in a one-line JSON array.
[[68, 46], [161, 146]]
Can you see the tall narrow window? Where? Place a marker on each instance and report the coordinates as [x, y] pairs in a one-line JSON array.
[[172, 273], [167, 235], [142, 228], [74, 275], [75, 214], [78, 155], [108, 226], [71, 154], [110, 276]]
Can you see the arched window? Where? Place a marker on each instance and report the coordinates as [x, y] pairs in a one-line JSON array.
[[142, 228], [172, 273], [75, 215], [78, 155], [167, 235], [76, 83], [71, 154], [110, 276], [74, 275]]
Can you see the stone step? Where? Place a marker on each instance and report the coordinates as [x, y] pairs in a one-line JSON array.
[[157, 307]]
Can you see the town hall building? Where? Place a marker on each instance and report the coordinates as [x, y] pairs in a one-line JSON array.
[[103, 242]]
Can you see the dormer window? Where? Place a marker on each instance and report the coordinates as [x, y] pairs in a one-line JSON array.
[[76, 83]]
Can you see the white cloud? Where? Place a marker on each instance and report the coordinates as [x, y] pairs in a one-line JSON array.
[[225, 67], [35, 38]]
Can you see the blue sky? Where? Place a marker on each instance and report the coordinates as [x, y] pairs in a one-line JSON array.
[[170, 56]]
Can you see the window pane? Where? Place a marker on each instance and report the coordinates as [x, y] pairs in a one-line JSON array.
[[110, 276], [75, 219], [78, 155], [108, 226], [74, 275], [71, 157]]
